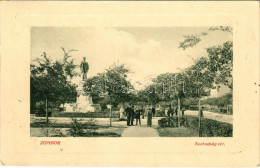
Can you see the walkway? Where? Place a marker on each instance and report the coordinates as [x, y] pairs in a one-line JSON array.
[[140, 131], [214, 116]]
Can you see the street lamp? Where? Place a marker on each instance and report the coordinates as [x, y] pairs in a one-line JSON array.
[[198, 92], [179, 104], [109, 106]]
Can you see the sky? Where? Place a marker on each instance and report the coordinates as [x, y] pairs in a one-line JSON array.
[[147, 51]]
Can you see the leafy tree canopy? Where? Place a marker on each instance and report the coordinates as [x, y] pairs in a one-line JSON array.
[[51, 80]]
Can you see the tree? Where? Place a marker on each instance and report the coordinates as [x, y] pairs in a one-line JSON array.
[[50, 81], [220, 58], [221, 63], [198, 78], [111, 86], [193, 39]]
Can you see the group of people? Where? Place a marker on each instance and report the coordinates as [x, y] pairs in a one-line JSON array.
[[135, 113], [173, 111], [170, 111]]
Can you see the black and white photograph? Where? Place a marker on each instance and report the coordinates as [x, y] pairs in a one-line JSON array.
[[130, 84], [131, 81]]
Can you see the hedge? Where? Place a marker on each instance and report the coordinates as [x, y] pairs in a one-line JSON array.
[[171, 122], [86, 115], [210, 128]]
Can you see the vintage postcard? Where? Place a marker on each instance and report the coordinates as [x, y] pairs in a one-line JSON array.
[[130, 83]]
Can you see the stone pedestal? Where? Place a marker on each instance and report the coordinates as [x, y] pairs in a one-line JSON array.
[[84, 101]]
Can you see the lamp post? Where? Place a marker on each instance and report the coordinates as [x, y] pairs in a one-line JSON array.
[[198, 92], [179, 101], [109, 106]]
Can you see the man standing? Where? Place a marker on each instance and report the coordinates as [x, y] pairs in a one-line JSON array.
[[153, 111], [132, 113], [128, 115], [84, 67], [201, 112], [183, 110], [137, 116]]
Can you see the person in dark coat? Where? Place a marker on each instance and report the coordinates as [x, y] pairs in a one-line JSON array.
[[128, 115], [153, 111], [201, 112], [132, 113], [137, 116], [183, 110], [142, 111], [149, 117]]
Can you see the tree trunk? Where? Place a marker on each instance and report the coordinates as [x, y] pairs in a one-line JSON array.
[[110, 123], [199, 119], [46, 109], [179, 112]]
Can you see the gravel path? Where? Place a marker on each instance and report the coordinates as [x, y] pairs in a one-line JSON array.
[[214, 116], [140, 131]]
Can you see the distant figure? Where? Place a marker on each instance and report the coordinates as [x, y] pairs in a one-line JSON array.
[[132, 115], [137, 116], [183, 110], [201, 112], [149, 117], [176, 111], [121, 113], [153, 111], [84, 67], [170, 112], [166, 112]]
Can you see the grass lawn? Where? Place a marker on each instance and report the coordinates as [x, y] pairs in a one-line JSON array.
[[177, 132], [110, 132], [58, 125], [61, 130]]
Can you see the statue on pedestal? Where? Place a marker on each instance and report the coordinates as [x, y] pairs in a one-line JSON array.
[[84, 101], [84, 67]]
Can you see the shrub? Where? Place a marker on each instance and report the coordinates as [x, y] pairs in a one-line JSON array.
[[220, 102], [86, 115], [159, 114], [49, 130], [54, 132], [210, 128], [40, 112], [78, 128], [171, 122]]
